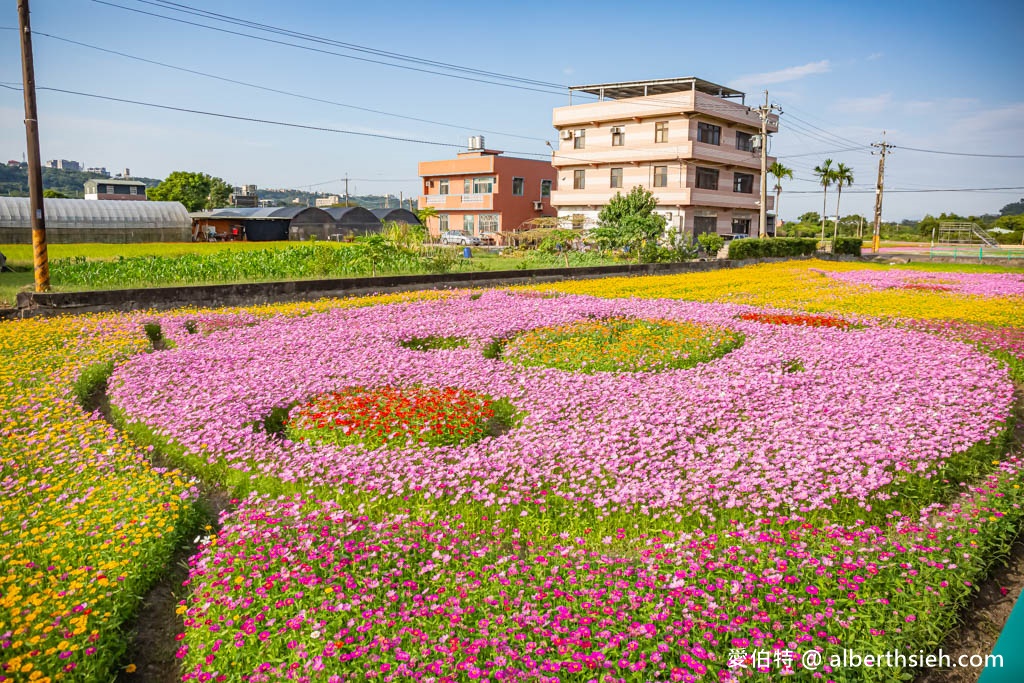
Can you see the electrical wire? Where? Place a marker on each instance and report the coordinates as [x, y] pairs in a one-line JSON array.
[[961, 154], [326, 52], [279, 91]]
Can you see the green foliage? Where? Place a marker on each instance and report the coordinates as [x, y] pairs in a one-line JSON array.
[[276, 420], [434, 343], [91, 385], [54, 194], [712, 242], [495, 348], [155, 334], [14, 181], [628, 221], [558, 240], [1013, 209], [191, 326], [778, 246], [197, 191], [850, 246]]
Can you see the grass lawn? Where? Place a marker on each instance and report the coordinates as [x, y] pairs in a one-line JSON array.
[[21, 254]]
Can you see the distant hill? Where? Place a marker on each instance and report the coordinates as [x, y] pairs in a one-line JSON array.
[[14, 181]]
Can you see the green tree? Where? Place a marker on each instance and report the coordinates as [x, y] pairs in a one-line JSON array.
[[1013, 209], [826, 176], [426, 213], [197, 191], [629, 221], [53, 194], [780, 172], [843, 175]]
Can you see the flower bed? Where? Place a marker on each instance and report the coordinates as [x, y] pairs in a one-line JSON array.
[[797, 319], [620, 345]]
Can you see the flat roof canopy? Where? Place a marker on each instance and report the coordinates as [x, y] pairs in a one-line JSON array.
[[664, 86]]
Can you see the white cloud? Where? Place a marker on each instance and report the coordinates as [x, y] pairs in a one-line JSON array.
[[791, 73], [864, 105], [874, 55]]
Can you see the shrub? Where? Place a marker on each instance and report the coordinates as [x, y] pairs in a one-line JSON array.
[[155, 334], [847, 245], [712, 242], [91, 385], [777, 246]]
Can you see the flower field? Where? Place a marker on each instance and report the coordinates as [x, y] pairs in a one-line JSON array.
[[605, 480]]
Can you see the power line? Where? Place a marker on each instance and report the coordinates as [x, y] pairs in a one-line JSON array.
[[279, 91], [809, 154], [225, 18], [962, 154], [235, 117], [323, 51], [945, 189]]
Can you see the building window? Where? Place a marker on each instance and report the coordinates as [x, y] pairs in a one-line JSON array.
[[488, 222], [741, 226], [467, 223], [661, 176], [744, 142], [110, 189], [743, 182], [705, 224], [443, 188], [134, 189], [579, 139], [616, 180], [579, 179], [518, 186], [709, 133], [545, 188], [618, 137], [707, 178], [467, 186], [442, 222], [483, 185], [661, 131]]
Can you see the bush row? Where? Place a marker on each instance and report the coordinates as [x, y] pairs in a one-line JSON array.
[[847, 245], [777, 246]]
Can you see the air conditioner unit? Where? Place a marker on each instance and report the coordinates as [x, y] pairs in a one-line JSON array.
[[538, 205], [565, 135]]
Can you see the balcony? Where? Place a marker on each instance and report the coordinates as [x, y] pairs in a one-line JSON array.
[[688, 151]]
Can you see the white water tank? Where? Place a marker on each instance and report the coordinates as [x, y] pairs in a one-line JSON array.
[[476, 143]]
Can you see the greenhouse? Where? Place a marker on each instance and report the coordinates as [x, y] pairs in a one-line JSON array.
[[84, 220]]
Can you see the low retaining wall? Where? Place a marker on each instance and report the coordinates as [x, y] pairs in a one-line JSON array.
[[208, 296]]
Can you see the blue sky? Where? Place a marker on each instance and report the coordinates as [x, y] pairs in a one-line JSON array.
[[934, 75]]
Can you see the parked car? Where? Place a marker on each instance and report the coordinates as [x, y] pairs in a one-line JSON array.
[[489, 238], [459, 237]]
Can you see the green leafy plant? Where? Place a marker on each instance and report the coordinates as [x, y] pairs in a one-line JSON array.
[[847, 245], [434, 343], [712, 242], [91, 385], [776, 247]]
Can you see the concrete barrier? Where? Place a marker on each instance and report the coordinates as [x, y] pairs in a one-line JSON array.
[[31, 304]]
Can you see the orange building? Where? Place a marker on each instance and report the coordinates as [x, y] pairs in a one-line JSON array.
[[481, 191]]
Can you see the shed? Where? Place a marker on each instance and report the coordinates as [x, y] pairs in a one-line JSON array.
[[263, 224], [396, 216], [96, 220], [354, 221]]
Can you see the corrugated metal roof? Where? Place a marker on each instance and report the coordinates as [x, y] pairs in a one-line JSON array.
[[352, 214], [266, 213], [397, 215], [16, 212]]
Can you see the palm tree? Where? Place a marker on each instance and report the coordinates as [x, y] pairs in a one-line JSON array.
[[843, 176], [826, 176], [425, 214], [780, 172]]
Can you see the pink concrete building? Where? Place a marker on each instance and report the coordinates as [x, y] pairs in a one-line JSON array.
[[690, 142], [481, 191]]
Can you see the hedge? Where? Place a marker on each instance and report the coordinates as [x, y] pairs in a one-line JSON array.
[[847, 245], [777, 246]]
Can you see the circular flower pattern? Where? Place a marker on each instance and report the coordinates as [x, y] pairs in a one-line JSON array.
[[392, 417], [621, 345]]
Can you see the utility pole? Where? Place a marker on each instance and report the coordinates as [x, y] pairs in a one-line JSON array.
[[40, 257], [883, 149], [401, 199], [763, 111], [346, 189]]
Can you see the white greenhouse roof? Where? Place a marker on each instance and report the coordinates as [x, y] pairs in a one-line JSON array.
[[15, 212]]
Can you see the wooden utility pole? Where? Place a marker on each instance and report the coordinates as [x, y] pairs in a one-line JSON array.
[[763, 112], [40, 258], [883, 149]]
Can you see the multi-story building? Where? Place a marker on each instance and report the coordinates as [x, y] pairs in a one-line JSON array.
[[98, 170], [690, 142], [329, 200], [64, 164], [103, 188], [481, 191], [244, 197]]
